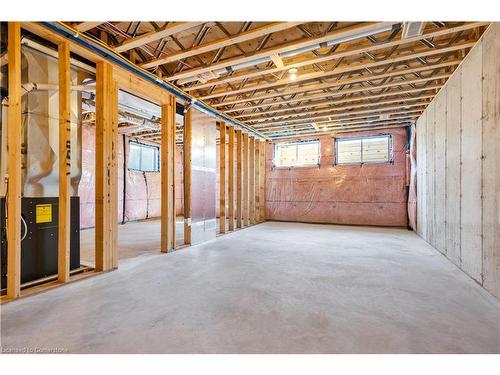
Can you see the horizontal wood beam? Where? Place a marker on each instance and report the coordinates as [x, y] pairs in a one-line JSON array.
[[86, 26], [222, 42], [350, 31], [338, 55], [169, 29], [138, 85]]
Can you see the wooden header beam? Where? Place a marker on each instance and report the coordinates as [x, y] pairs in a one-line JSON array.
[[86, 26]]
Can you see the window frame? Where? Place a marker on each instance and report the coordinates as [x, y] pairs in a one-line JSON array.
[[296, 143], [144, 145], [389, 160]]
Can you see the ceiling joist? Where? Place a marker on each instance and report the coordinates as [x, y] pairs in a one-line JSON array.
[[167, 30], [292, 79], [222, 42]]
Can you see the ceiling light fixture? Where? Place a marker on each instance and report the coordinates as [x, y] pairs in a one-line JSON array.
[[293, 73]]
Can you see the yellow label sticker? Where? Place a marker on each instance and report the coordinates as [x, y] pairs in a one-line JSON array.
[[43, 213]]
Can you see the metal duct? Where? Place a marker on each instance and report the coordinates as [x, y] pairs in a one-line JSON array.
[[298, 51], [203, 177]]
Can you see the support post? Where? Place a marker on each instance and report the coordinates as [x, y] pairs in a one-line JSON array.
[[257, 180], [251, 179], [168, 175], [262, 182], [64, 209], [222, 177], [230, 177], [106, 168], [187, 177], [245, 180], [239, 141], [14, 136], [113, 177]]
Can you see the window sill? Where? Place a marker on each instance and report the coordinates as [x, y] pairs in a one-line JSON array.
[[365, 163], [297, 166]]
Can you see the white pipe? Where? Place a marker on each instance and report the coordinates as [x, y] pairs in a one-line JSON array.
[[48, 51], [336, 41], [35, 86]]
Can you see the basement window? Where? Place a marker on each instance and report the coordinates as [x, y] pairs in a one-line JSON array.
[[296, 154], [360, 150], [143, 157]]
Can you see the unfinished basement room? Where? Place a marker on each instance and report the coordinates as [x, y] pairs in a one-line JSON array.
[[250, 187]]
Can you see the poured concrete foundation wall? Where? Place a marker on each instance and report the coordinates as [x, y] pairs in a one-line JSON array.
[[458, 165], [142, 197], [368, 194]]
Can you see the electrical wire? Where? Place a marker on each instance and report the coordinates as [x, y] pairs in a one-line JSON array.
[[25, 228]]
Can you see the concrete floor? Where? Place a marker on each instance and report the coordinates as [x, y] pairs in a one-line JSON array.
[[135, 238], [271, 288]]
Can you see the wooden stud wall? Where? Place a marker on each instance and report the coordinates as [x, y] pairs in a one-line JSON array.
[[109, 78], [458, 159]]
